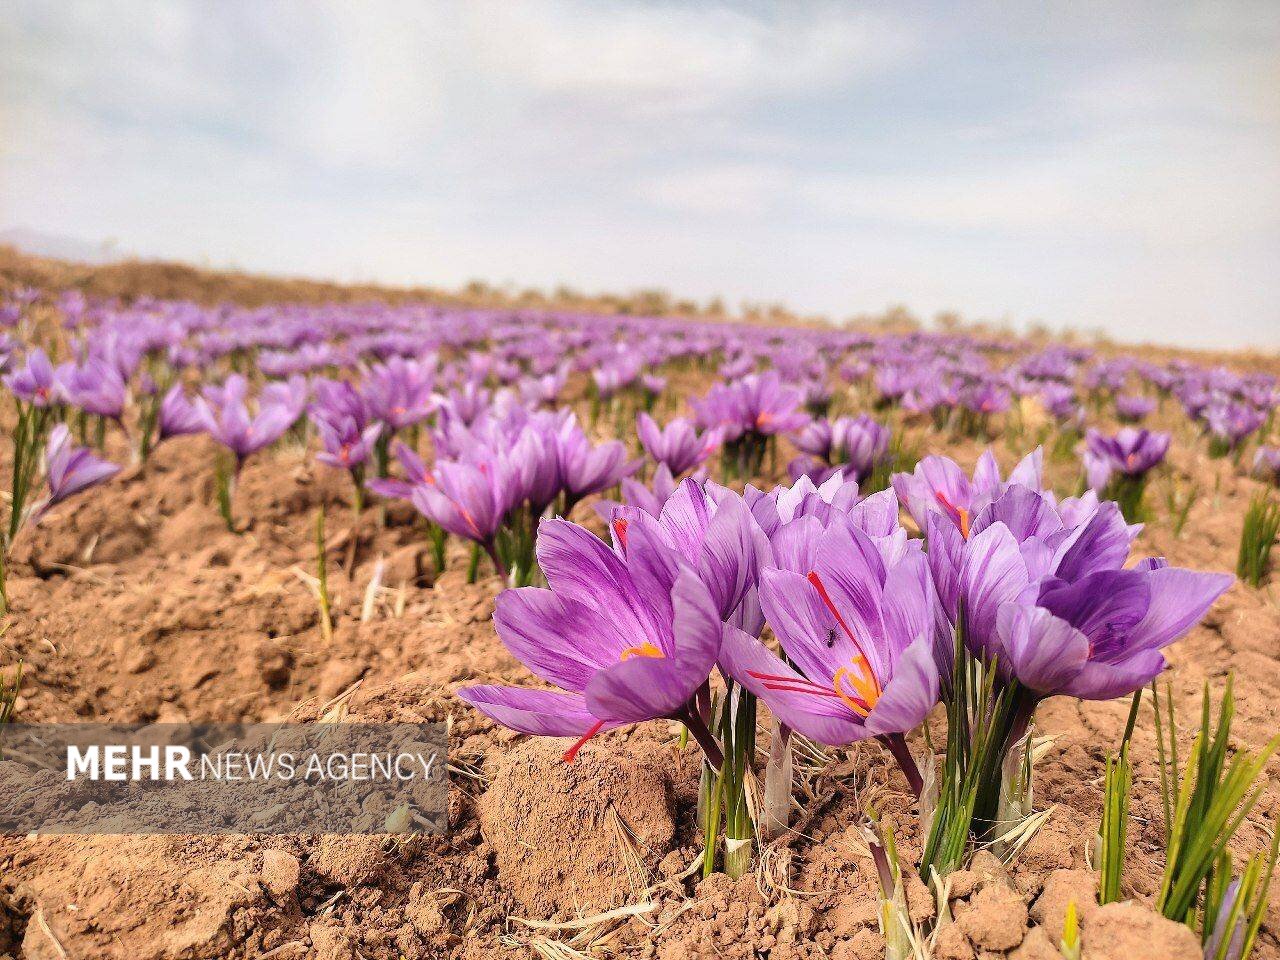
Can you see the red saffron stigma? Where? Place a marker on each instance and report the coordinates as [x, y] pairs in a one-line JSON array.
[[572, 752], [620, 530], [960, 516], [826, 599]]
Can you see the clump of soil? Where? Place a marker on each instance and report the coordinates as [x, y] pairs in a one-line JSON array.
[[578, 838]]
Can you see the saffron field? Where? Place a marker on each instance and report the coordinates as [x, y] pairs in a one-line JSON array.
[[753, 641]]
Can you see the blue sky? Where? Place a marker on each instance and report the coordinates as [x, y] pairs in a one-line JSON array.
[[1086, 164]]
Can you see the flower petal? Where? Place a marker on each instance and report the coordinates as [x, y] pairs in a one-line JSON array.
[[910, 694], [816, 716], [1042, 651], [540, 713]]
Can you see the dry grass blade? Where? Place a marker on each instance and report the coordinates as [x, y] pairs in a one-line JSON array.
[[586, 923]]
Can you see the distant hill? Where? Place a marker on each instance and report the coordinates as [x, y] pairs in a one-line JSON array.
[[42, 244]]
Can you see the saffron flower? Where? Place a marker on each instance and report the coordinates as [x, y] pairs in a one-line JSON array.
[[34, 380], [1134, 408], [711, 528], [678, 445], [857, 445], [469, 499], [939, 486], [227, 419], [587, 468], [650, 499], [1231, 423], [93, 386], [399, 392], [1053, 605], [1132, 452], [858, 637], [415, 473], [69, 470], [178, 415], [625, 639]]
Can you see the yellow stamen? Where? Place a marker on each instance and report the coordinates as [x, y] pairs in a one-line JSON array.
[[866, 691], [645, 649], [964, 523]]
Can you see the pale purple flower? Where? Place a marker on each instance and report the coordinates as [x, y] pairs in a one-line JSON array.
[[69, 470], [678, 445]]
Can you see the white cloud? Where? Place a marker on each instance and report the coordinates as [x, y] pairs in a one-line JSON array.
[[730, 189], [668, 57], [1073, 165]]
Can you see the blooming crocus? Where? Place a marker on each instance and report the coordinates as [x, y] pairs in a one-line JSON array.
[[466, 403], [711, 527], [653, 385], [69, 470], [93, 386], [1053, 605], [938, 485], [757, 404], [858, 445], [624, 639], [985, 398], [178, 415], [1132, 452], [1134, 408], [587, 468], [227, 419], [34, 380], [346, 447], [677, 445], [469, 499], [1231, 423], [399, 392], [650, 499], [858, 639], [415, 472], [1060, 402]]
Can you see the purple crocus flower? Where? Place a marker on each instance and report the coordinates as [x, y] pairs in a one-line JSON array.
[[815, 439], [653, 384], [178, 415], [227, 419], [1234, 950], [626, 639], [93, 386], [586, 468], [858, 445], [1134, 408], [346, 446], [985, 398], [69, 470], [1132, 452], [860, 636], [1060, 402], [1045, 594], [650, 499], [757, 404], [939, 486], [34, 380], [677, 445], [399, 392], [712, 529], [469, 499], [768, 406], [1232, 422]]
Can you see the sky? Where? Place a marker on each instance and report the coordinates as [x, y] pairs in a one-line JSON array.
[[1089, 165]]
